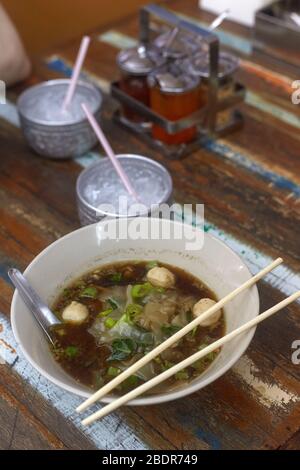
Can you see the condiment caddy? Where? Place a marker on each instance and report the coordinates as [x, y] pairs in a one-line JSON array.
[[176, 87]]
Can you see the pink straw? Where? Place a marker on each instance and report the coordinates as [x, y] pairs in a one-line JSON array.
[[109, 151], [76, 71]]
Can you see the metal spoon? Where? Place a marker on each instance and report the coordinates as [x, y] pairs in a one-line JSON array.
[[219, 20], [45, 318]]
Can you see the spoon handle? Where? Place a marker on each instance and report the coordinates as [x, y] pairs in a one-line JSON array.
[[34, 303]]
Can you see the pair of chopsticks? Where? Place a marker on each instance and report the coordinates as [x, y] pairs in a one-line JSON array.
[[173, 339]]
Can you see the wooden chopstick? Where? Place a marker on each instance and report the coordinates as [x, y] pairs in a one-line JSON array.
[[174, 338], [189, 361]]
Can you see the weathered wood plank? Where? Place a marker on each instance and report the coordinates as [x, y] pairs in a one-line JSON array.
[[293, 443], [19, 432], [36, 423]]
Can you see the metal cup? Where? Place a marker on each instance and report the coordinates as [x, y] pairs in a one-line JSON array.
[[99, 174], [58, 140]]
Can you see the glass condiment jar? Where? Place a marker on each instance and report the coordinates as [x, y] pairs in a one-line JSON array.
[[228, 65], [135, 64], [174, 94]]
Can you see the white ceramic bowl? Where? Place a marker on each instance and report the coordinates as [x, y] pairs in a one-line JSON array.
[[216, 264]]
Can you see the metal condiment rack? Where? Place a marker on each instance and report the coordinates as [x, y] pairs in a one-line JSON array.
[[206, 118]]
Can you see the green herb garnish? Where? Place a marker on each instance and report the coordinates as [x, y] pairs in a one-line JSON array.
[[122, 349], [113, 371], [110, 323], [67, 292], [139, 291], [165, 365], [114, 305], [132, 312], [182, 375], [71, 351], [151, 265], [194, 331], [116, 277], [131, 381], [105, 313], [169, 330], [89, 292]]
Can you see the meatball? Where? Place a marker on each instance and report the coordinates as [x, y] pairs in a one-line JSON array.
[[201, 307], [161, 277], [75, 313]]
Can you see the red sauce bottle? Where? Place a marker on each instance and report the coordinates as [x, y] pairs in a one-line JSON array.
[[135, 65], [174, 95]]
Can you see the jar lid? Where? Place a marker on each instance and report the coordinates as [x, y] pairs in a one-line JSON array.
[[172, 79], [177, 44], [171, 44], [199, 65], [139, 60]]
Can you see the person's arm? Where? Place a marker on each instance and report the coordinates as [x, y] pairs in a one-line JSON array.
[[14, 63]]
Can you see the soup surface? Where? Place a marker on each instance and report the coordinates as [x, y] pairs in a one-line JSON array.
[[114, 315]]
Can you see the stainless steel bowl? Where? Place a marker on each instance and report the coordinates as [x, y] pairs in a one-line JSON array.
[[94, 177], [58, 140]]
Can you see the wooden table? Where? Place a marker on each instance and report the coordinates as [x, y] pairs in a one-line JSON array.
[[250, 185]]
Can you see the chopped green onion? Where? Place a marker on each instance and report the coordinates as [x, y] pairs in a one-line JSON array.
[[168, 365], [182, 375], [116, 277], [131, 381], [110, 323], [151, 265], [165, 365], [113, 371], [71, 351], [89, 292], [132, 311], [66, 292], [199, 365], [194, 331], [160, 290], [114, 305], [105, 313], [139, 291]]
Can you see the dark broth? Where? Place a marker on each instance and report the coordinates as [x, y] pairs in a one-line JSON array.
[[127, 317]]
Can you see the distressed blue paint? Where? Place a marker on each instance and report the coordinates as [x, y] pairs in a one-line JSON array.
[[59, 65], [9, 112], [117, 39], [211, 439], [240, 159], [4, 267], [88, 159], [282, 114]]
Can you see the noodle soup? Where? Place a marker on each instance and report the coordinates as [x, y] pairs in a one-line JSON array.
[[113, 315]]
